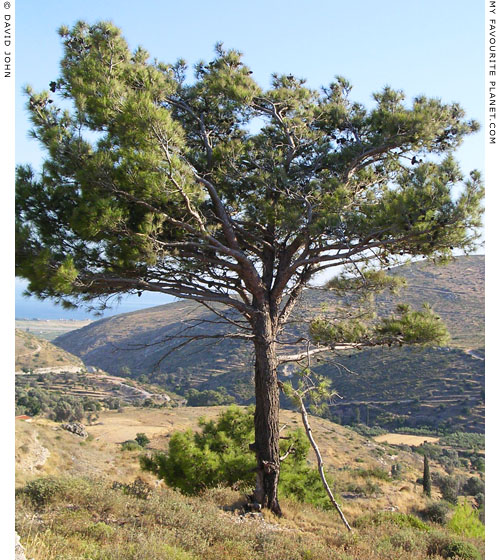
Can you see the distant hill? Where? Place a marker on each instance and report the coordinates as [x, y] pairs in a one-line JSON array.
[[456, 293], [134, 343], [43, 366], [32, 352]]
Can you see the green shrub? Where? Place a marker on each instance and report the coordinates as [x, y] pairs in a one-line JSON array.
[[131, 445], [304, 485], [406, 540], [473, 486], [402, 520], [139, 488], [450, 488], [437, 512], [99, 531], [371, 488], [41, 491], [209, 397], [449, 547], [396, 471], [375, 472], [465, 521], [220, 455], [142, 439]]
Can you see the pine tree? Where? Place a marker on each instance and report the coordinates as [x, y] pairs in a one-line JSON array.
[[235, 196], [427, 478]]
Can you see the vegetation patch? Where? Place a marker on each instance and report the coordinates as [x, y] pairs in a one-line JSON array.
[[401, 520], [220, 455], [449, 547]]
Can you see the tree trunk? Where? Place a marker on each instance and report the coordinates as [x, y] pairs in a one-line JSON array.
[[266, 418]]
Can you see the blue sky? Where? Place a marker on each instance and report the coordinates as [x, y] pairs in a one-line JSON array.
[[430, 47]]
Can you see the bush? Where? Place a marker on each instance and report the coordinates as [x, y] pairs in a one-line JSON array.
[[131, 445], [438, 512], [42, 490], [209, 397], [139, 488], [473, 486], [375, 472], [450, 487], [466, 522], [99, 531], [406, 539], [142, 439], [402, 520], [396, 471], [448, 547], [304, 485], [219, 454]]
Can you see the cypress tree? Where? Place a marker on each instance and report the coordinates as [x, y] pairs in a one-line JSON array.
[[427, 477], [357, 415]]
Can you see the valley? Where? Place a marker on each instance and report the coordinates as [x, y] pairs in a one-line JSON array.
[[437, 389]]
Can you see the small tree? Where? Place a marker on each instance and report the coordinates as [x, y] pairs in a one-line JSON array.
[[92, 417], [232, 195], [315, 389], [427, 478], [142, 439], [220, 454]]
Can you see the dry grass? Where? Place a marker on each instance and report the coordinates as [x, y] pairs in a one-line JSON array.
[[70, 518], [116, 427], [91, 520]]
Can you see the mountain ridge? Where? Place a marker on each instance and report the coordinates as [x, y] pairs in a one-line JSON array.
[[134, 344]]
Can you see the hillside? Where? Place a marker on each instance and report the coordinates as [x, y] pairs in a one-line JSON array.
[[80, 510], [32, 352], [46, 374], [135, 343], [44, 448]]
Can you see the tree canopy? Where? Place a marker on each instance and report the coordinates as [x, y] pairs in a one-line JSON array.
[[216, 189]]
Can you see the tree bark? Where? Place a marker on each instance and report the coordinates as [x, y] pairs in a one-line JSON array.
[[266, 418]]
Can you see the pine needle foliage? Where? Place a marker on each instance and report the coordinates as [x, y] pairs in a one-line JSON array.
[[141, 166]]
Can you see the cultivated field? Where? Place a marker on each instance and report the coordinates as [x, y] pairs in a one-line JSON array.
[[50, 328], [405, 439]]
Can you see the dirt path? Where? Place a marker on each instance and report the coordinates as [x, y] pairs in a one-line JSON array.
[[474, 355], [30, 352], [58, 369], [35, 455]]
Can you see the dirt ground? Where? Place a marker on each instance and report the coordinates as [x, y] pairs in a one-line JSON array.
[[117, 427]]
